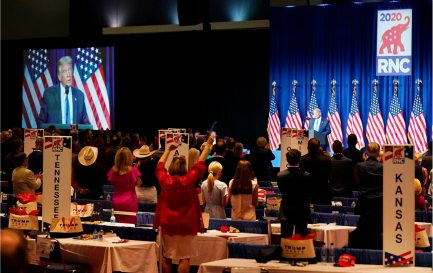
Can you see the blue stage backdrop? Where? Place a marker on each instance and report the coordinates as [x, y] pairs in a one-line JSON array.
[[339, 42]]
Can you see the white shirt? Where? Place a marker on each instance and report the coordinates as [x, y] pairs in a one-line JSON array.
[[62, 100], [317, 121]]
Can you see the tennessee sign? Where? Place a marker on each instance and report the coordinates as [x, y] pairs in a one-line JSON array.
[[394, 42]]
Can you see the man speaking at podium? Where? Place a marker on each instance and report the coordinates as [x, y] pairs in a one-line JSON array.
[[63, 104], [319, 128]]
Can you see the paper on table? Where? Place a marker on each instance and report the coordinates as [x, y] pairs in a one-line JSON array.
[[114, 239]]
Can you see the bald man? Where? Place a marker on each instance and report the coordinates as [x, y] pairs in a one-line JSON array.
[[13, 252]]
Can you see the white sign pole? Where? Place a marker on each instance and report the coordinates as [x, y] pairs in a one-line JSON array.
[[286, 136], [398, 206], [57, 177], [30, 136]]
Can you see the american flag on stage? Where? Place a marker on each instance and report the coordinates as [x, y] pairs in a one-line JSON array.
[[36, 79], [395, 125], [89, 77], [274, 125], [375, 129], [313, 104], [354, 123], [334, 119], [293, 118], [404, 258], [417, 131]]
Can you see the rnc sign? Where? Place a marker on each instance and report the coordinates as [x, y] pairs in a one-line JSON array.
[[394, 42]]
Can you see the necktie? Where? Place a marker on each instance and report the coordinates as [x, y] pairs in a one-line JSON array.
[[316, 125], [67, 112]]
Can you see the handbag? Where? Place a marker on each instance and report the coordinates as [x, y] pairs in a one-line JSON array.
[[421, 237], [65, 227], [23, 222], [82, 210], [298, 248]]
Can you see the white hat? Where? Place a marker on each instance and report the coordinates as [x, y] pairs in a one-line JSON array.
[[87, 156], [144, 151]]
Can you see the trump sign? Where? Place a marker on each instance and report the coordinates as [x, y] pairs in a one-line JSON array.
[[394, 42]]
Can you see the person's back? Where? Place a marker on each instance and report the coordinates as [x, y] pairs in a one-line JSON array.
[[319, 166], [261, 160], [368, 234], [243, 193], [295, 186], [341, 172], [13, 252], [214, 192], [23, 179], [354, 154], [36, 157]]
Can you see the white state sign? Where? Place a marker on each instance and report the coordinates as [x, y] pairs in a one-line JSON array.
[[398, 205], [57, 177], [30, 136], [180, 138], [292, 139]]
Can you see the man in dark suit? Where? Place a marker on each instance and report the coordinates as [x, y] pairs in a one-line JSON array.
[[321, 128], [295, 187], [369, 174], [341, 179], [63, 104], [319, 166]]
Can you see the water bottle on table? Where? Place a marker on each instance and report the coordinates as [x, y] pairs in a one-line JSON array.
[[112, 218]]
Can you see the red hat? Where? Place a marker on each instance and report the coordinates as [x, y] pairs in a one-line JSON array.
[[345, 260]]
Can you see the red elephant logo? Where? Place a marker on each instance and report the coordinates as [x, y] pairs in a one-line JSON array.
[[392, 37]]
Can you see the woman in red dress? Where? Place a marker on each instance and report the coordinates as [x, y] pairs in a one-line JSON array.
[[178, 213]]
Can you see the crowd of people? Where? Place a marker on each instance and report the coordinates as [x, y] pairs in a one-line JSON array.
[[216, 174]]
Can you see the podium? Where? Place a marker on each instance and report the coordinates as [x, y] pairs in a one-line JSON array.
[[62, 126]]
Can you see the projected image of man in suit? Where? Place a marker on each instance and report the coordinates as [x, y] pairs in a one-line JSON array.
[[321, 128], [63, 103]]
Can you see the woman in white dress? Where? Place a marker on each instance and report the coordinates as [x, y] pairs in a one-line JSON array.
[[214, 192]]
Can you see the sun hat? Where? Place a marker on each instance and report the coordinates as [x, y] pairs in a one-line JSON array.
[[87, 156], [144, 151], [345, 260]]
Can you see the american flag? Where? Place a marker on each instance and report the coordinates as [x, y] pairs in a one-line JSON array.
[[37, 78], [89, 77], [395, 125], [334, 120], [274, 125], [417, 131], [293, 118], [404, 258], [313, 104], [354, 123], [375, 131]]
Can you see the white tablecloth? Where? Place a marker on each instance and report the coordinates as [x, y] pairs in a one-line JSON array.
[[212, 245], [338, 235], [103, 257], [275, 266]]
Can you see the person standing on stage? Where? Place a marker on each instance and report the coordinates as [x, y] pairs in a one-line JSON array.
[[321, 128]]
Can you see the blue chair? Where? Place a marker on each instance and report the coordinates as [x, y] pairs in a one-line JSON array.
[[423, 216], [108, 188], [243, 225]]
